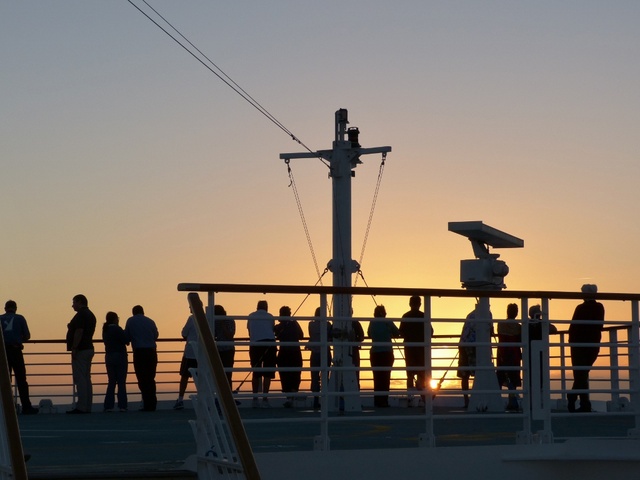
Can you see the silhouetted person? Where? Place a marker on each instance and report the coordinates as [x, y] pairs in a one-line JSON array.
[[143, 333], [190, 334], [509, 331], [116, 362], [262, 352], [80, 343], [586, 327], [356, 337], [381, 356], [15, 332], [467, 354], [315, 360], [414, 355], [225, 331], [289, 356], [535, 324]]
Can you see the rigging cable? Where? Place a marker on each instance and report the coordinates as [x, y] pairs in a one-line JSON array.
[[373, 207], [308, 295], [373, 297], [218, 72], [292, 184]]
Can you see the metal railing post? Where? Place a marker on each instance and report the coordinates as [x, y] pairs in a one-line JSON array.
[[11, 445], [223, 403], [322, 442], [614, 365], [634, 367], [563, 368], [428, 439]]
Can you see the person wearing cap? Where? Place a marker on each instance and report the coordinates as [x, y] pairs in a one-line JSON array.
[[586, 328], [15, 331]]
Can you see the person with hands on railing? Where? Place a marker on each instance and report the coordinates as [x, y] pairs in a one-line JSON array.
[[586, 327], [15, 332]]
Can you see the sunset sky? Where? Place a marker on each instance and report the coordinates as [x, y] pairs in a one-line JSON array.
[[128, 167]]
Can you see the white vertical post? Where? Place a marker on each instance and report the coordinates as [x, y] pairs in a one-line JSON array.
[[545, 435], [341, 265], [485, 393], [428, 439], [614, 369], [322, 441], [343, 159], [634, 366]]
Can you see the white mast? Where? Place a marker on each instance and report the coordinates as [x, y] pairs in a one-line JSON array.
[[343, 158]]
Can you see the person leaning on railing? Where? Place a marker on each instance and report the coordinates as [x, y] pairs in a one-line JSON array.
[[509, 331], [288, 330], [586, 327], [15, 332], [315, 360], [382, 332]]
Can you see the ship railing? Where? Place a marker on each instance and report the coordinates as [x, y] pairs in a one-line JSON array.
[[545, 383], [12, 462], [614, 378], [49, 371], [223, 449]]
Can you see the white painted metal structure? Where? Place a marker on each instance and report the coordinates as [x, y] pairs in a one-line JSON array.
[[12, 464], [343, 158], [534, 453], [486, 272]]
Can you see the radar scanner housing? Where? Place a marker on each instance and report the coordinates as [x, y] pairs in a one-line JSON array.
[[485, 271]]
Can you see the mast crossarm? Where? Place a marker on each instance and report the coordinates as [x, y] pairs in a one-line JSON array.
[[326, 154]]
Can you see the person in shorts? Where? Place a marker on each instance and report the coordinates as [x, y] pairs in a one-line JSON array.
[[262, 352]]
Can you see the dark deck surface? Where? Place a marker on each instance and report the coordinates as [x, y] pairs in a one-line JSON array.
[[156, 444]]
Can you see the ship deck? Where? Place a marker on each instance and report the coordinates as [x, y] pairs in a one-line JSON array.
[[159, 444]]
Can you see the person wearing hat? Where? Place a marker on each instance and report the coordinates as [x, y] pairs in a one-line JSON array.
[[586, 328]]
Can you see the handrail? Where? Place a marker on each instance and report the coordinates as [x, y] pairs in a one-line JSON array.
[[9, 421], [223, 395], [616, 376], [532, 371], [400, 291]]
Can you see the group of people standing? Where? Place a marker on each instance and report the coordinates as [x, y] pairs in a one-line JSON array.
[[140, 331], [585, 332], [265, 356]]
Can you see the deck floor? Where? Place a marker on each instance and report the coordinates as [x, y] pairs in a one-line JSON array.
[[161, 441]]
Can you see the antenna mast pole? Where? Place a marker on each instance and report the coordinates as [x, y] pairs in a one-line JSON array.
[[343, 158]]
